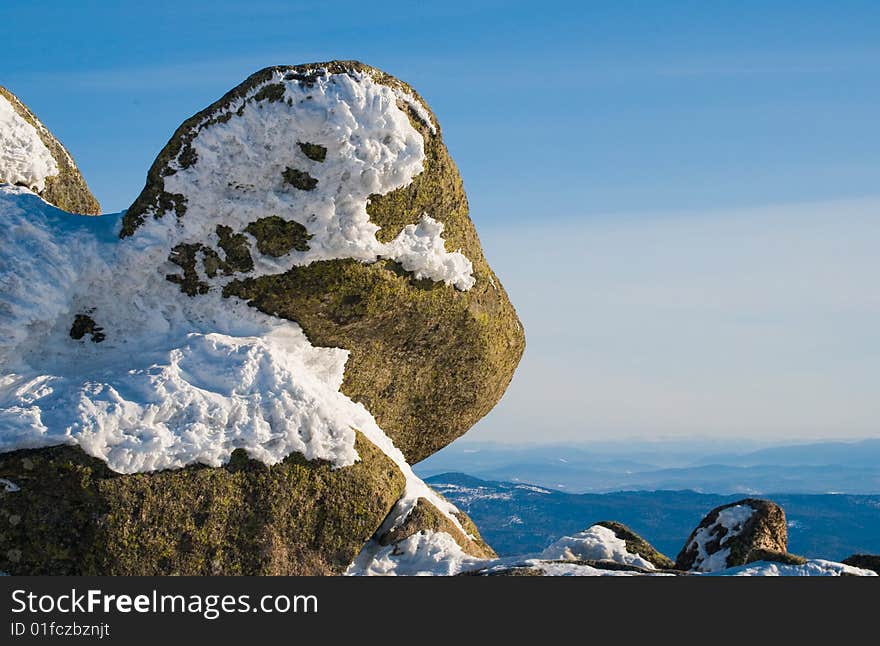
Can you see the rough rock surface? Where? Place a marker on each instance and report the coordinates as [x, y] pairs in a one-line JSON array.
[[63, 512], [735, 534], [638, 545], [67, 190], [426, 359]]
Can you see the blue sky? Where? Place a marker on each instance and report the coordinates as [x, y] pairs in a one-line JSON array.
[[682, 197]]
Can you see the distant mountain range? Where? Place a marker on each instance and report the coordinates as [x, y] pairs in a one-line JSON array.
[[517, 518], [818, 468]]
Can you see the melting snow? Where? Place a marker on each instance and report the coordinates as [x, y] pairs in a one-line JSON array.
[[9, 486]]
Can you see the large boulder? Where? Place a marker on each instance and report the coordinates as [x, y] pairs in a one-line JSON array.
[[735, 534], [296, 306], [31, 156], [63, 512], [428, 360]]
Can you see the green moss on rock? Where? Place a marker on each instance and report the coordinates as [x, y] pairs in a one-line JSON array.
[[71, 515], [67, 190], [276, 236], [299, 179], [315, 152]]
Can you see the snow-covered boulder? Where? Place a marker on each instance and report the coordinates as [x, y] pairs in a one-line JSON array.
[[324, 194], [231, 376], [864, 561], [32, 157], [608, 541], [736, 534]]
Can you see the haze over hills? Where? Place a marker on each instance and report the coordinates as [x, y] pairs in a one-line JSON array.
[[701, 466], [520, 518]]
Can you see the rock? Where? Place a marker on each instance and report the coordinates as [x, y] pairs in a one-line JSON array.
[[735, 534], [864, 561], [275, 320], [65, 513], [426, 517], [427, 359], [635, 544], [31, 156]]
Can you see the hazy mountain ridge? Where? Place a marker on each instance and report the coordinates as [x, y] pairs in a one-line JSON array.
[[818, 468], [517, 518]]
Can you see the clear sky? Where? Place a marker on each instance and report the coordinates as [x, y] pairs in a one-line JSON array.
[[681, 197]]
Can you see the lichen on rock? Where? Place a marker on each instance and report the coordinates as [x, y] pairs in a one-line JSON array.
[[74, 516]]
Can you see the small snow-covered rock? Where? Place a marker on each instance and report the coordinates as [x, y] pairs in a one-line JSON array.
[[735, 534]]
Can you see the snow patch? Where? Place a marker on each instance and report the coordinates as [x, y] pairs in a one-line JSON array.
[[9, 486], [597, 543], [814, 567], [425, 553], [421, 250], [24, 158]]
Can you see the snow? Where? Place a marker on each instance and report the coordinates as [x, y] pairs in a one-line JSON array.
[[814, 567], [24, 158], [372, 148], [732, 519], [575, 569], [9, 486], [467, 496], [421, 250], [533, 489], [425, 553], [597, 543]]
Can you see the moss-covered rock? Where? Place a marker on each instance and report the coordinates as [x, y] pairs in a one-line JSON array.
[[426, 517], [763, 536], [67, 190], [426, 359], [635, 544], [63, 512]]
